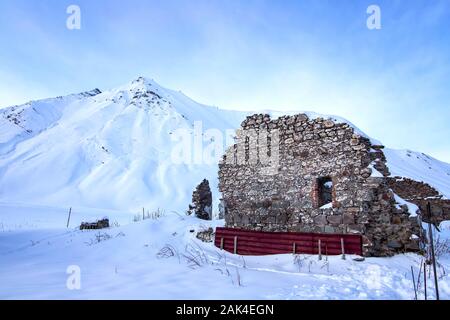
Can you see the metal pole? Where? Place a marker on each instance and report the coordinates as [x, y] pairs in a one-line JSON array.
[[320, 250], [414, 283], [68, 219], [294, 248], [221, 243], [433, 257], [235, 244], [425, 278], [342, 248]]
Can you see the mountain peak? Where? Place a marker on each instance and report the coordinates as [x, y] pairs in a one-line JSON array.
[[143, 82]]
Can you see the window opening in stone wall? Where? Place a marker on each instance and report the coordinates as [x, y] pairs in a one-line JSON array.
[[247, 148], [325, 192]]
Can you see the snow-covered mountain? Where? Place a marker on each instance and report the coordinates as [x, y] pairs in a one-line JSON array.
[[107, 149], [113, 150], [110, 153]]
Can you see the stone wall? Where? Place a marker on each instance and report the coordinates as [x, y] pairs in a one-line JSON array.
[[420, 193], [201, 201], [282, 194]]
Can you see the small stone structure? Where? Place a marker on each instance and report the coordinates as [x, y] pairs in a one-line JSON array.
[[420, 193], [313, 175], [202, 201], [100, 224], [206, 235]]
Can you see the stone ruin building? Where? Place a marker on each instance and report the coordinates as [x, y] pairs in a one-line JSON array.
[[300, 174], [202, 201]]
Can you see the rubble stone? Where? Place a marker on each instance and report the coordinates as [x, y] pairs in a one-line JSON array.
[[202, 201]]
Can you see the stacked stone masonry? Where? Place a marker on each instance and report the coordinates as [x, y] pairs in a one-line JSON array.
[[420, 193], [307, 151], [201, 201]]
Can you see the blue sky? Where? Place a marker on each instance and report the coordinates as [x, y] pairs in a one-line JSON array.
[[317, 55]]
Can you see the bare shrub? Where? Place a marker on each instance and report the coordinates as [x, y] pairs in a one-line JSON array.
[[115, 224], [326, 265], [154, 215], [195, 256], [99, 237], [300, 261], [244, 263], [167, 251], [441, 247], [238, 277], [225, 270]]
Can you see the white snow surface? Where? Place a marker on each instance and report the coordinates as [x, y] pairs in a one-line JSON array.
[[132, 261], [108, 154]]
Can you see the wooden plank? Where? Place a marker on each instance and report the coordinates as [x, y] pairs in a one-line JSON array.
[[237, 231], [257, 248], [263, 243], [290, 241], [300, 244], [244, 249], [287, 235], [298, 248], [277, 234], [356, 239]]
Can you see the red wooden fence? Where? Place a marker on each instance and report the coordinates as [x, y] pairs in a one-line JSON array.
[[246, 242]]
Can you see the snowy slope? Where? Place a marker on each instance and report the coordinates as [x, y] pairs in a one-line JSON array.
[[23, 122], [109, 154], [420, 167], [106, 150], [133, 262], [112, 150]]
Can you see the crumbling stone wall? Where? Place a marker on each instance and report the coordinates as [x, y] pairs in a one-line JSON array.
[[420, 193], [282, 194], [202, 201]]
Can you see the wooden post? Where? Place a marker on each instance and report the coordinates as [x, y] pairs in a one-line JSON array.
[[433, 257], [342, 248], [68, 218], [425, 278], [235, 244], [414, 283], [221, 243], [294, 248], [320, 250]]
